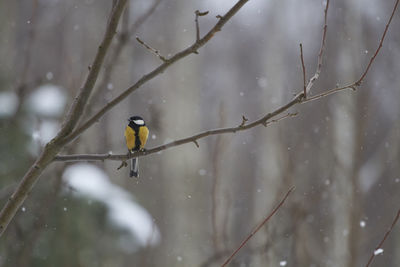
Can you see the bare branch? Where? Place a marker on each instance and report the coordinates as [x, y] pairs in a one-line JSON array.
[[54, 146], [304, 70], [281, 118], [263, 121], [178, 56], [258, 228], [384, 238], [151, 49], [358, 83], [329, 92], [320, 54]]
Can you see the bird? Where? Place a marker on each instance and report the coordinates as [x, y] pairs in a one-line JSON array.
[[136, 134]]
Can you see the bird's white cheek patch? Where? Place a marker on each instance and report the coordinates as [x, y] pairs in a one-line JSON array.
[[139, 122]]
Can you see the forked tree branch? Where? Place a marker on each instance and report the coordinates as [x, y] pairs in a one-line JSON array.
[[160, 69], [244, 242], [68, 130]]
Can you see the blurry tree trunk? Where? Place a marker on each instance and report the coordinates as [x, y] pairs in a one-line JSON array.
[[271, 163], [347, 143], [185, 214]]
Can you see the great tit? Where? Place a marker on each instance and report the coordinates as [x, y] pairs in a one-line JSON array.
[[136, 134]]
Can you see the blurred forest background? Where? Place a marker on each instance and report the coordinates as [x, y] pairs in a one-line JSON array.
[[192, 206]]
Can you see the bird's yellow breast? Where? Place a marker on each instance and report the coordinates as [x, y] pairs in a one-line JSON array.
[[130, 137], [143, 135]]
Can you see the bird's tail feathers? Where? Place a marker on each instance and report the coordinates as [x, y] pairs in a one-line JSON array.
[[134, 167]]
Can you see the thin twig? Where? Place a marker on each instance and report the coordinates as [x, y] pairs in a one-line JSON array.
[[151, 49], [280, 118], [358, 83], [196, 20], [266, 120], [304, 70], [384, 238], [321, 52], [258, 228], [329, 92], [196, 143], [244, 120]]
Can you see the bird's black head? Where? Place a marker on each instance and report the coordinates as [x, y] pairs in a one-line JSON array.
[[136, 120]]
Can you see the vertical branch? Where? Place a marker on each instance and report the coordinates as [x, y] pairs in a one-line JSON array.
[[304, 70], [196, 20], [216, 182], [321, 51]]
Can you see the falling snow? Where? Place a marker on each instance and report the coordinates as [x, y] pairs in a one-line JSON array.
[[362, 224], [123, 211], [282, 263], [262, 82], [345, 232], [48, 100], [49, 76], [378, 251]]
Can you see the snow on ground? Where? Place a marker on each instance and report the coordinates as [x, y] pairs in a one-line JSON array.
[[47, 100], [90, 181], [8, 104]]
